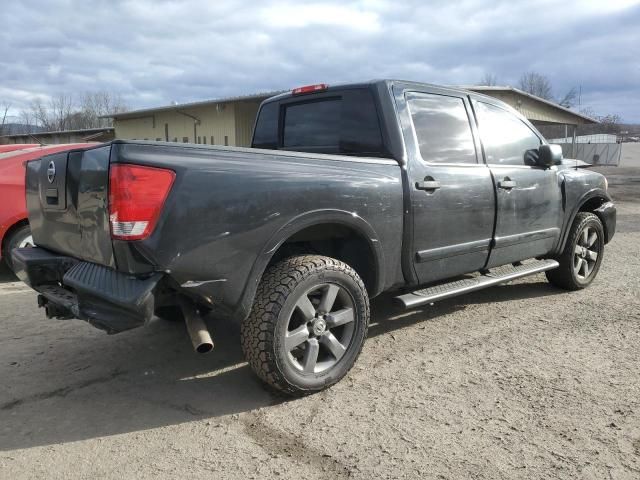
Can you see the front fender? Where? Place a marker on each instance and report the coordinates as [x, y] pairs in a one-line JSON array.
[[586, 197], [297, 224]]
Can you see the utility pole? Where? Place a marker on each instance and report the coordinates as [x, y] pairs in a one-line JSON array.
[[580, 98]]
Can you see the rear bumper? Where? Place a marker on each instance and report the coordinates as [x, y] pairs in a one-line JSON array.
[[607, 215], [69, 288]]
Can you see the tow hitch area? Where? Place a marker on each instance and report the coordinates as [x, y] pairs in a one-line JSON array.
[[110, 300]]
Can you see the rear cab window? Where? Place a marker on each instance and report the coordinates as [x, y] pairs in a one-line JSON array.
[[442, 128], [344, 122]]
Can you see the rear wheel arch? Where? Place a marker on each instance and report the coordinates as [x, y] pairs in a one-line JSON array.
[[333, 233]]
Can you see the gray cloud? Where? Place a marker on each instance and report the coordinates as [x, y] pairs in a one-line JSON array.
[[157, 51]]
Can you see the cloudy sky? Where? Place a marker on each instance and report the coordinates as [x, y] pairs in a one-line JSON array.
[[154, 52]]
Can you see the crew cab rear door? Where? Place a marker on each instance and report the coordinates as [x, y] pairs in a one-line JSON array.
[[529, 199], [451, 191]]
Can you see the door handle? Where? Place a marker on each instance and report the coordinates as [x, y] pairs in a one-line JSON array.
[[428, 185], [507, 184]]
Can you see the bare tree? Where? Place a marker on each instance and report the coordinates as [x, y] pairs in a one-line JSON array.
[[569, 98], [50, 116], [4, 109], [27, 120], [94, 105], [536, 84], [63, 112], [610, 123], [488, 80], [60, 109]]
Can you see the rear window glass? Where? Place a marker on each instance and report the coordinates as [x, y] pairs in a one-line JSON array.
[[313, 124], [345, 123]]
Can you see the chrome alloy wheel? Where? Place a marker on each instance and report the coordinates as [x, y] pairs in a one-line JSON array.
[[586, 253], [320, 328]]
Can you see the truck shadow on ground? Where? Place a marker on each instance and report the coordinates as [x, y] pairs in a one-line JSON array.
[[90, 385]]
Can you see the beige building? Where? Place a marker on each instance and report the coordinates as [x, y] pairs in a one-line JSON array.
[[229, 121]]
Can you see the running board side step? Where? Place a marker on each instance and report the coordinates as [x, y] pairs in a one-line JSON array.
[[496, 276]]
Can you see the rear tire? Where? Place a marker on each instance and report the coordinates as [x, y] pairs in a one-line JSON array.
[[582, 255], [19, 238], [308, 324]]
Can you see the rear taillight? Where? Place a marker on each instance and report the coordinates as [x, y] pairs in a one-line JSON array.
[[136, 197], [310, 89]]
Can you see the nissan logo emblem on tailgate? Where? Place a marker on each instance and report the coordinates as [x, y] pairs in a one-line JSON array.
[[51, 172]]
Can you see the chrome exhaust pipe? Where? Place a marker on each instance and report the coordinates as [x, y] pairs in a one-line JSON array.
[[196, 328]]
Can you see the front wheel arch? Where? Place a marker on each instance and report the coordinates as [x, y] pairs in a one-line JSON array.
[[589, 202]]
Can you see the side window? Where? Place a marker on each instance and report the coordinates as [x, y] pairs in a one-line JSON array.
[[266, 130], [442, 128], [360, 129], [507, 140]]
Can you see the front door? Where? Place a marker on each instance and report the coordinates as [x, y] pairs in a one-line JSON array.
[[451, 190], [528, 196]]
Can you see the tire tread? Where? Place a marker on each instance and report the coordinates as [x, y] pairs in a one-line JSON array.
[[276, 285], [563, 275]]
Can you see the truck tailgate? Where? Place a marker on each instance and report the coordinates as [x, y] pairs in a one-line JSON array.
[[67, 202]]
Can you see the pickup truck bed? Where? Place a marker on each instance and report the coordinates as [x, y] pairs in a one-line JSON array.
[[210, 246]]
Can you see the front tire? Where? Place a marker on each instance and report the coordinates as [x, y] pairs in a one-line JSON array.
[[19, 238], [582, 255], [308, 324]]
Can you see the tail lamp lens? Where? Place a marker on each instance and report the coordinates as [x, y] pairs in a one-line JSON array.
[[136, 197]]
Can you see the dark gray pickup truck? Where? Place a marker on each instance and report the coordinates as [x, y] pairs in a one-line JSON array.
[[349, 191]]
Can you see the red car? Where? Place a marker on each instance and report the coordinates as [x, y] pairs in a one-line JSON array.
[[14, 224], [16, 146]]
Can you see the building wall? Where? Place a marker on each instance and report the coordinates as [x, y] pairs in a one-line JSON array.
[[214, 122], [245, 118], [220, 124]]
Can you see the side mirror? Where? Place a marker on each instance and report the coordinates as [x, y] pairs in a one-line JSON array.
[[549, 155]]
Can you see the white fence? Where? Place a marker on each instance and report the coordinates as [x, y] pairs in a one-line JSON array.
[[594, 153], [595, 138]]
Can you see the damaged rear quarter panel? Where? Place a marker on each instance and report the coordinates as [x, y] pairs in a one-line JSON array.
[[227, 204]]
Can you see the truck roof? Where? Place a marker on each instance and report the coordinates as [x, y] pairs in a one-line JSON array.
[[369, 83]]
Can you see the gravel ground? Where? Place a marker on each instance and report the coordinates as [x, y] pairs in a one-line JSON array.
[[518, 381]]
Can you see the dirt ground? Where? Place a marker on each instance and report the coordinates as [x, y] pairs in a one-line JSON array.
[[518, 381]]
